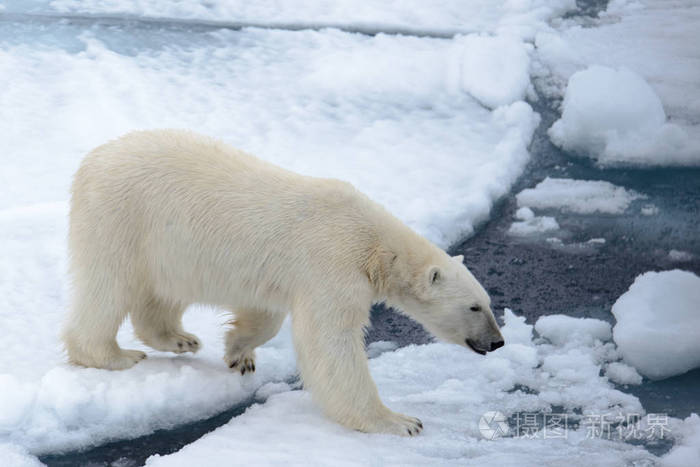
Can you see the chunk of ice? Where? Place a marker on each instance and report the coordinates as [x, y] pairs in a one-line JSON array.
[[658, 323], [579, 196]]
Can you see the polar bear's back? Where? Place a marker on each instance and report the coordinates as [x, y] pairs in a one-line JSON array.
[[164, 159], [184, 213]]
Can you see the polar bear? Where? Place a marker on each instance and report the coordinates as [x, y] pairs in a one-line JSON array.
[[163, 219]]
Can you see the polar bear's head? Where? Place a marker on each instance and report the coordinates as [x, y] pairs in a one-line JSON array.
[[441, 293]]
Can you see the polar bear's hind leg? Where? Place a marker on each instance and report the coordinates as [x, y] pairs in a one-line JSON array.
[[158, 323], [89, 335]]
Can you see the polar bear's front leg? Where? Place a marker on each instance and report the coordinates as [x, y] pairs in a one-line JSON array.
[[333, 364], [251, 329]]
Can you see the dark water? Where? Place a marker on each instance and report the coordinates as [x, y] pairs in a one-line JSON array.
[[534, 277], [531, 276], [134, 452]]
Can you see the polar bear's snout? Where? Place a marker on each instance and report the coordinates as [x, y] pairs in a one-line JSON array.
[[482, 350], [496, 341], [493, 346], [493, 343], [496, 345], [483, 333], [472, 345]]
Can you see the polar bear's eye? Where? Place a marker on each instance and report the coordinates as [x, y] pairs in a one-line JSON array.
[[475, 308]]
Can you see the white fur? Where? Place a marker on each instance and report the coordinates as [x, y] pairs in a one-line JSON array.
[[164, 219]]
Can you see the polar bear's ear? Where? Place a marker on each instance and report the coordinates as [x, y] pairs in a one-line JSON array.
[[459, 258], [434, 275]]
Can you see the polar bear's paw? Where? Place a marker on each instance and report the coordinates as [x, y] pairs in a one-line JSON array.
[[124, 359], [241, 361], [107, 356], [177, 342], [397, 424]]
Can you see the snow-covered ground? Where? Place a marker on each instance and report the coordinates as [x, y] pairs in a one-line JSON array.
[[522, 18], [46, 405], [639, 49], [553, 374], [436, 129], [386, 113]]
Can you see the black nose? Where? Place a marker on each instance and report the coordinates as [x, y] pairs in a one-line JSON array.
[[496, 345]]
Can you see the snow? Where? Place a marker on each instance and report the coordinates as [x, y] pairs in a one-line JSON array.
[[649, 210], [521, 17], [449, 399], [621, 373], [495, 69], [364, 109], [377, 348], [529, 224], [615, 117], [524, 214], [687, 451], [47, 405], [680, 255], [658, 323], [578, 196], [560, 329], [13, 455], [652, 39], [269, 389]]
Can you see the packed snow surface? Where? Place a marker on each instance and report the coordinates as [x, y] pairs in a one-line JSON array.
[[47, 405], [521, 17], [525, 376], [658, 323], [687, 451], [578, 196], [379, 112], [615, 116], [622, 373], [496, 69], [562, 329], [13, 455]]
